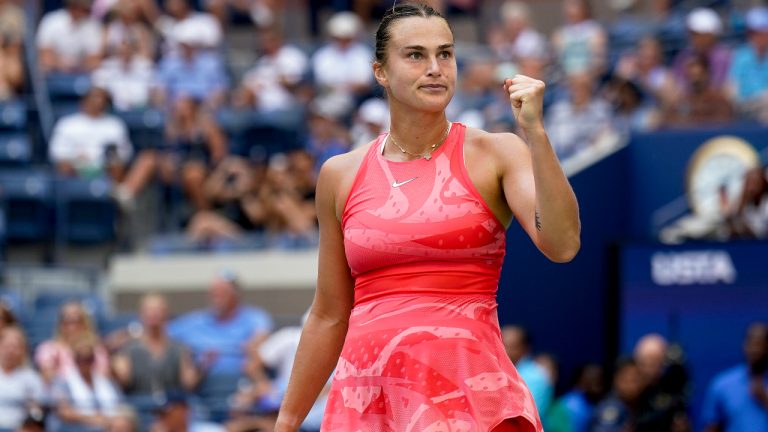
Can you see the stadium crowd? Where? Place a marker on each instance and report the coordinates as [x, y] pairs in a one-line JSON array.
[[236, 152], [662, 66], [225, 367]]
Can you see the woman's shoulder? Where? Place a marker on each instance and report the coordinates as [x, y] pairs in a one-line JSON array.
[[497, 143], [345, 163]]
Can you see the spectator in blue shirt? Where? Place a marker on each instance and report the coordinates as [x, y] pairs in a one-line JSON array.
[[190, 71], [748, 74], [619, 411], [219, 336], [579, 403], [737, 399], [518, 347]]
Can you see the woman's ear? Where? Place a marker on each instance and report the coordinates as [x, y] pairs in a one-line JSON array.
[[380, 74]]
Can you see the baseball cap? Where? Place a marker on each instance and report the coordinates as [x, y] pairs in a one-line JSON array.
[[344, 25], [757, 19], [704, 20]]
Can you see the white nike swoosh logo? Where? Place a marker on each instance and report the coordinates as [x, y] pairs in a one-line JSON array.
[[398, 184]]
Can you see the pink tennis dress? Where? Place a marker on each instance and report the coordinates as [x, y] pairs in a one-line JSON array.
[[423, 352]]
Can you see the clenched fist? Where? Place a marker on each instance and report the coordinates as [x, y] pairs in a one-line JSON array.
[[526, 95]]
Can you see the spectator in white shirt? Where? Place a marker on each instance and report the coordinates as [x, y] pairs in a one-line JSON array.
[[69, 40], [343, 66], [22, 388], [180, 13], [92, 143], [127, 75], [272, 83], [581, 43]]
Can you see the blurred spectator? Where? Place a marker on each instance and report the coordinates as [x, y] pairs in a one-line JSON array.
[[327, 136], [371, 120], [618, 412], [579, 122], [737, 399], [632, 113], [513, 38], [263, 13], [127, 75], [34, 422], [190, 71], [478, 84], [13, 22], [665, 381], [273, 82], [750, 216], [128, 27], [518, 347], [174, 415], [219, 335], [749, 68], [704, 30], [703, 103], [193, 143], [645, 67], [12, 29], [288, 194], [93, 142], [181, 19], [152, 363], [579, 403], [7, 318], [22, 388], [69, 40], [581, 43], [84, 395], [237, 206], [353, 80], [55, 357]]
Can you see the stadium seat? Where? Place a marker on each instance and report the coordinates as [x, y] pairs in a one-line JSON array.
[[13, 115], [49, 302], [145, 127], [85, 211], [28, 200], [15, 149], [214, 393], [62, 86]]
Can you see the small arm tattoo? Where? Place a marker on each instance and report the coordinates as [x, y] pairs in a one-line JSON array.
[[538, 221]]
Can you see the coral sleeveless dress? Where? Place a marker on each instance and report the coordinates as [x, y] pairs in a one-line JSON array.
[[423, 352]]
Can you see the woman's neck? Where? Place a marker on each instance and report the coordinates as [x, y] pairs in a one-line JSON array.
[[417, 132]]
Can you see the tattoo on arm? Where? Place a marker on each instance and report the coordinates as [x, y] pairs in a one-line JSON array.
[[538, 221]]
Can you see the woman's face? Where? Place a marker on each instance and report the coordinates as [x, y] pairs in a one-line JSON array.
[[72, 321], [420, 68]]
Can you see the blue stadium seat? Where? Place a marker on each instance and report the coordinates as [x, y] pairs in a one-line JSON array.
[[13, 115], [49, 302], [63, 86], [145, 127], [15, 149], [28, 200], [214, 393], [85, 211]]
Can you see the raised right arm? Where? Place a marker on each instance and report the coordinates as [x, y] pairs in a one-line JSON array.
[[325, 329]]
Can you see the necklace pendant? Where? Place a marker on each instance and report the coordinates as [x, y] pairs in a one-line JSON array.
[[428, 156]]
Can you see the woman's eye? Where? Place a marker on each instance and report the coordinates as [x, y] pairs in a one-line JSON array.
[[414, 55], [445, 55]]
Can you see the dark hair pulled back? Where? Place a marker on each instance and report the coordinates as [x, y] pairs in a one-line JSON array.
[[397, 12]]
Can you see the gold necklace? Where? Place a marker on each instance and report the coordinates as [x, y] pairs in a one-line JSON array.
[[428, 154]]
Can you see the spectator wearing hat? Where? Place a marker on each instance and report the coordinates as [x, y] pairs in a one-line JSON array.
[[343, 65], [749, 68], [704, 29], [69, 40], [372, 119], [207, 29], [219, 335], [191, 71]]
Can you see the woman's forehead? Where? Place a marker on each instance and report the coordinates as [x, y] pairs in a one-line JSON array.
[[429, 32]]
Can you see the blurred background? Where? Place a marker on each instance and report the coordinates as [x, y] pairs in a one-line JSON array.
[[157, 228]]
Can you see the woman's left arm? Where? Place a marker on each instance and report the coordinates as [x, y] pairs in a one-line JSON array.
[[535, 187]]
